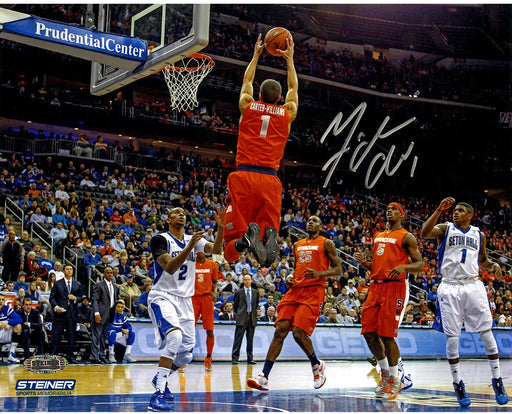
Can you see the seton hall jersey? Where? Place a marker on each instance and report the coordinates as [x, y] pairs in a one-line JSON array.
[[458, 253], [309, 254], [387, 253], [180, 283], [262, 135]]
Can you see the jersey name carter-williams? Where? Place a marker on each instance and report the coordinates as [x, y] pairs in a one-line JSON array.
[[271, 109]]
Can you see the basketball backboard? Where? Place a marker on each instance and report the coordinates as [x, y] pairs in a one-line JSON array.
[[172, 32]]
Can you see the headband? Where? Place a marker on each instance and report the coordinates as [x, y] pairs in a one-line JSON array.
[[399, 207]]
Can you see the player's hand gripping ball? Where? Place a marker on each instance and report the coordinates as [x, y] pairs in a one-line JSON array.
[[276, 39]]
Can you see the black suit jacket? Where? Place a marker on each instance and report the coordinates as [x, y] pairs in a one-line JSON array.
[[34, 318], [243, 318], [59, 297], [101, 300]]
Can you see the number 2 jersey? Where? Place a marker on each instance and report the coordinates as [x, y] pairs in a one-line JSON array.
[[180, 283], [262, 135], [458, 253], [310, 254]]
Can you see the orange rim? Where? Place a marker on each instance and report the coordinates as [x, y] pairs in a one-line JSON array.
[[193, 69]]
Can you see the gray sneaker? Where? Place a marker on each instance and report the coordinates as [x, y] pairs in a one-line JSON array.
[[112, 359], [129, 358]]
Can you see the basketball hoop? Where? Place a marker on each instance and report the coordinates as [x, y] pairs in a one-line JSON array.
[[183, 79]]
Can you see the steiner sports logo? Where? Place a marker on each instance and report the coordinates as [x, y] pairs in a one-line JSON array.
[[45, 364], [27, 387]]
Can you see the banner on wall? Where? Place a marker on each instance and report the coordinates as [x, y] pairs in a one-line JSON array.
[[329, 341]]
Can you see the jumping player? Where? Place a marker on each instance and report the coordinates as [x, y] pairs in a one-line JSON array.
[[254, 199], [298, 311], [169, 301], [207, 275], [461, 296], [388, 295]]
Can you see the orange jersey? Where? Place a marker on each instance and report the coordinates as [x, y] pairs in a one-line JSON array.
[[262, 135], [388, 252], [310, 254], [206, 274]]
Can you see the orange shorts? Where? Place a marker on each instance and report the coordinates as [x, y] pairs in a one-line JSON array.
[[253, 197], [203, 307], [383, 309], [302, 306]]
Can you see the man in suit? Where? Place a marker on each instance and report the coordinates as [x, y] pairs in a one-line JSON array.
[[32, 328], [245, 307], [104, 297], [270, 315], [64, 298]]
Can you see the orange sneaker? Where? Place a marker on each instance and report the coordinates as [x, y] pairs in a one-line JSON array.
[[208, 363]]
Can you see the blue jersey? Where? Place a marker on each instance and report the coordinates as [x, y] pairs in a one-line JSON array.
[[120, 322], [7, 314]]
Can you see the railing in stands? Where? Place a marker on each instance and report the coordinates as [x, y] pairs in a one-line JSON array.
[[43, 235], [12, 208]]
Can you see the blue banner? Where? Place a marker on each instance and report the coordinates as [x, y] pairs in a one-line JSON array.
[[329, 341], [67, 35]]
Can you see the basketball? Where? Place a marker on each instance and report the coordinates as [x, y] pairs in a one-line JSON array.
[[276, 39]]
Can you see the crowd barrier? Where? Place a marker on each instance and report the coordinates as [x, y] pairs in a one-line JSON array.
[[330, 341]]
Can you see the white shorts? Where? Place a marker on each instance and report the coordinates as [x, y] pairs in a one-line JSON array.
[[169, 311], [463, 303], [6, 335]]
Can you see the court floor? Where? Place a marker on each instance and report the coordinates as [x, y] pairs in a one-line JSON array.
[[349, 388]]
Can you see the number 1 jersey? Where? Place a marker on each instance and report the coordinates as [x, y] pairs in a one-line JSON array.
[[262, 135], [458, 253]]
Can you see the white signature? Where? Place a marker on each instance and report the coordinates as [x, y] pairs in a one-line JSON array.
[[355, 162]]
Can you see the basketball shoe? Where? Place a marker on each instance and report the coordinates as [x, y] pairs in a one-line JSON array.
[[271, 246], [208, 363], [12, 359], [499, 391], [260, 382], [393, 387], [380, 391], [460, 393], [251, 241], [319, 375], [167, 394], [406, 380], [158, 402]]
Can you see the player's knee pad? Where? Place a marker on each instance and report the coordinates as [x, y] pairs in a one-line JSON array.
[[452, 347], [172, 343], [183, 358], [491, 347]]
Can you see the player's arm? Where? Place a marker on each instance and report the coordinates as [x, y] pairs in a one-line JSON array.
[[359, 257], [415, 265], [164, 259], [216, 246], [292, 96], [432, 230], [335, 263], [484, 260], [247, 90]]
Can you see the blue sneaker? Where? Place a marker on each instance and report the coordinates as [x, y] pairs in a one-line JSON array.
[[167, 392], [460, 393], [406, 381], [158, 402], [499, 390]]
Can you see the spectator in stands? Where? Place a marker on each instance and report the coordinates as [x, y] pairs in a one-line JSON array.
[[227, 313], [343, 317], [83, 147], [57, 271], [142, 306], [61, 193], [269, 316], [116, 219], [333, 314], [241, 264], [118, 243], [11, 254], [91, 260], [325, 312], [129, 292], [409, 319], [25, 241], [20, 283]]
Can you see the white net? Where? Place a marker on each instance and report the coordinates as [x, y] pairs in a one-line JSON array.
[[183, 79]]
